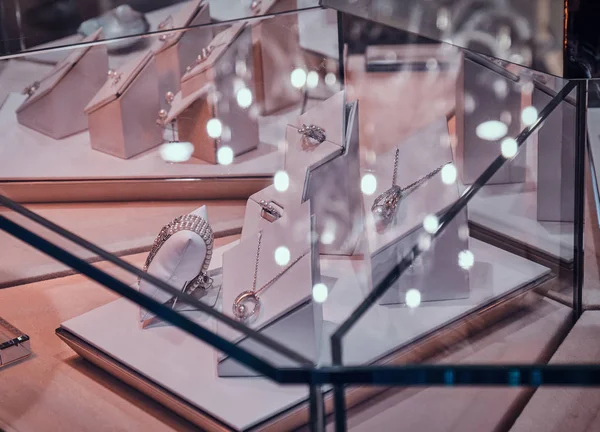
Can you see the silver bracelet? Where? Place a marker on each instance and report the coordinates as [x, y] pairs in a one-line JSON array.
[[197, 225]]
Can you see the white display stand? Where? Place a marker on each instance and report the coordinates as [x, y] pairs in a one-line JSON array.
[[287, 313], [195, 105], [54, 108], [176, 51], [327, 174], [556, 160], [474, 154], [435, 274], [245, 403]]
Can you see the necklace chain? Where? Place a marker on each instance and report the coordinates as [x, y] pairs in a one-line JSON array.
[[416, 183], [274, 279]]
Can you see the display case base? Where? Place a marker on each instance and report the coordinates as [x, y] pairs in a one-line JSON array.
[[104, 336]]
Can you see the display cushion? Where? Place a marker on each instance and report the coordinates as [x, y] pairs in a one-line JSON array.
[[177, 262]]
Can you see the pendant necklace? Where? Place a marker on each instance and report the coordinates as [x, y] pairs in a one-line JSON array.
[[385, 205], [246, 305]]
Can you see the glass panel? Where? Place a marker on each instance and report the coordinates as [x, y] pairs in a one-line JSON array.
[[297, 209], [488, 209]]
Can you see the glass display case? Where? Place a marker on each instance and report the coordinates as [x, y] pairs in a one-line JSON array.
[[286, 209]]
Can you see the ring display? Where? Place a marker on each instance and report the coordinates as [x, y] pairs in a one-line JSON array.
[[315, 135]]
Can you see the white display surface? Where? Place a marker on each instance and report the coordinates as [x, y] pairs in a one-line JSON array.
[[27, 154], [244, 402]]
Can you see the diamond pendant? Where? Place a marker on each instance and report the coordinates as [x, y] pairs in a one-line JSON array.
[[246, 306], [385, 205]]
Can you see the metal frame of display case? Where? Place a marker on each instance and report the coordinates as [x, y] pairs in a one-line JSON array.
[[339, 376]]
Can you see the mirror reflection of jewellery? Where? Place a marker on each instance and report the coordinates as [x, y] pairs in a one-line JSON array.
[[31, 89], [114, 76], [199, 226], [202, 57], [246, 306], [386, 204], [167, 23], [314, 134], [255, 5], [269, 211], [169, 97], [162, 116]]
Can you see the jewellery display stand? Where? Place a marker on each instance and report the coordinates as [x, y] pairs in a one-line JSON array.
[[276, 54], [110, 337], [14, 344], [173, 52], [287, 313], [436, 275], [55, 106], [178, 261], [556, 159], [257, 217], [192, 111], [326, 174], [485, 96], [122, 115]]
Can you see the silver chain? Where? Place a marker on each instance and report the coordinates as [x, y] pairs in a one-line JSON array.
[[416, 183], [272, 281]]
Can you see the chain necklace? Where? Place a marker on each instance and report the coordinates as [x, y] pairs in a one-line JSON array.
[[197, 225], [251, 298], [385, 205]]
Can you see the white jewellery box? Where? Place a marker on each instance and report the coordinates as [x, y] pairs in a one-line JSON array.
[[191, 111], [175, 51], [436, 273], [123, 114], [277, 53], [55, 106], [287, 315]]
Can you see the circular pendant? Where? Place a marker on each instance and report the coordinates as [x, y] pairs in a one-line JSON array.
[[246, 306]]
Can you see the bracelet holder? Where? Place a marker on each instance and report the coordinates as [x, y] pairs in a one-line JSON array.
[[194, 106], [56, 107], [436, 275], [177, 262], [288, 314], [122, 115], [173, 52]]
